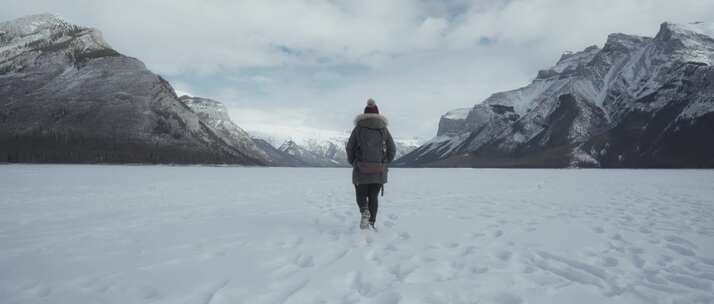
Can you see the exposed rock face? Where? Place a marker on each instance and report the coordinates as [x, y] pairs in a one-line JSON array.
[[67, 96], [277, 157], [637, 102], [453, 122], [215, 115]]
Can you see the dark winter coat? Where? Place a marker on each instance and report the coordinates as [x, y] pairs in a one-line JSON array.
[[370, 141]]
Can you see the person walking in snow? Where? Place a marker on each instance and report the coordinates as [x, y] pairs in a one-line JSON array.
[[369, 150]]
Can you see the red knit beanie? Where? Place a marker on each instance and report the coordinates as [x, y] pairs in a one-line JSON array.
[[371, 107]]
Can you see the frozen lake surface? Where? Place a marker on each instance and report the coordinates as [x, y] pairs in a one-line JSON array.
[[155, 234]]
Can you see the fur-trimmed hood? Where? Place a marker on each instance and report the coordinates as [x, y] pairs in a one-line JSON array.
[[372, 121]]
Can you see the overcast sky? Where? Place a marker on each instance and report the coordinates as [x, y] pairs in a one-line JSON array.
[[313, 63]]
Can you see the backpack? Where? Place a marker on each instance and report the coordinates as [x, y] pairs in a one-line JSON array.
[[375, 167]]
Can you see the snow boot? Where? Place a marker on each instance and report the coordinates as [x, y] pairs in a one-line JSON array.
[[364, 221]]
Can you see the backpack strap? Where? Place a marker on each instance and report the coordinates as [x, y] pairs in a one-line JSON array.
[[384, 147]]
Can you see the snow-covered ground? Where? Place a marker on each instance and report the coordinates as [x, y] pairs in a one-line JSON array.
[[155, 234]]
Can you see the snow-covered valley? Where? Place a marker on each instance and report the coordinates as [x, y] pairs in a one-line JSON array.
[[160, 234]]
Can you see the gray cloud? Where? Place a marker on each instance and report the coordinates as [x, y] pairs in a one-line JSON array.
[[313, 63]]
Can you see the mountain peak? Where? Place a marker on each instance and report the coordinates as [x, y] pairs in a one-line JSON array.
[[38, 34], [288, 145], [624, 41], [692, 42], [33, 24], [569, 54], [569, 62], [638, 101], [693, 29], [572, 59], [208, 109], [690, 33], [457, 114]]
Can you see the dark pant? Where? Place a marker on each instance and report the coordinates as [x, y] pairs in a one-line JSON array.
[[368, 198]]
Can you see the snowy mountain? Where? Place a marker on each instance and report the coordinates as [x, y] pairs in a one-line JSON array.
[[635, 102], [215, 115], [296, 147], [67, 96], [311, 146], [277, 157], [318, 147], [314, 158]]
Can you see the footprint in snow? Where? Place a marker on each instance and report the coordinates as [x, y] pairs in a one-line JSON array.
[[451, 245], [476, 235], [616, 237], [362, 286], [708, 261], [391, 247], [690, 282], [681, 250], [478, 269], [39, 291], [645, 230], [404, 236], [389, 297], [507, 298], [304, 261], [638, 261], [503, 255], [402, 271], [469, 250], [680, 241]]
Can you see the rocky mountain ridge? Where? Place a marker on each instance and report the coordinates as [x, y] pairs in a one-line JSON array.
[[67, 96], [635, 102]]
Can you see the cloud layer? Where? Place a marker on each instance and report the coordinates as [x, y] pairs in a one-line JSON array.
[[314, 63]]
